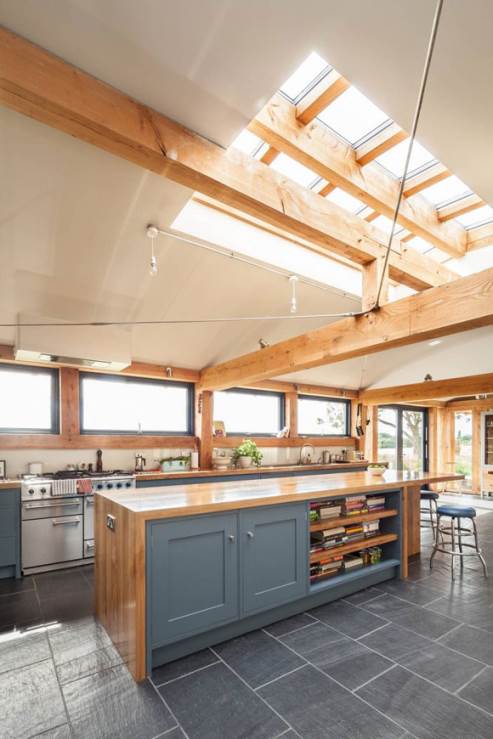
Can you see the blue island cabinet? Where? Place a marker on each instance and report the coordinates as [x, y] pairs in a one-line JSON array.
[[10, 551]]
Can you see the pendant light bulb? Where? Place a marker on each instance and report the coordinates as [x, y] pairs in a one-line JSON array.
[[294, 303], [152, 233]]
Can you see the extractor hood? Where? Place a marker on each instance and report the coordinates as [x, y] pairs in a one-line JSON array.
[[96, 347]]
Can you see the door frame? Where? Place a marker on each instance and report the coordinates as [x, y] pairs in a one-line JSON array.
[[426, 438]]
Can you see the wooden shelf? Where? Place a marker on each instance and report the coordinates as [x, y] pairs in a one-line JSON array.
[[354, 546], [361, 574], [332, 523]]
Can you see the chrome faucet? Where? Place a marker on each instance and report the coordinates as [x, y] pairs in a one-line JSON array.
[[307, 457]]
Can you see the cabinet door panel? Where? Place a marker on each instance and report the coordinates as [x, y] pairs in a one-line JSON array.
[[193, 575], [274, 556]]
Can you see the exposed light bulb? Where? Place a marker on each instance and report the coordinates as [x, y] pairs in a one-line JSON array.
[[153, 266], [294, 303], [152, 233]]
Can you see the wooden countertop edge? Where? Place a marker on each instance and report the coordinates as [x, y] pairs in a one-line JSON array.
[[193, 508], [247, 471], [9, 484]]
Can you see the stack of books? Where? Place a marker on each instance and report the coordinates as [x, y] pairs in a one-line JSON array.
[[371, 528], [352, 562], [355, 505], [323, 570], [354, 532], [375, 504], [322, 540], [330, 509]]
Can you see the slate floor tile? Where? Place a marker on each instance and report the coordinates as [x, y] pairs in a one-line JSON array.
[[419, 593], [60, 732], [257, 657], [30, 701], [19, 609], [68, 607], [428, 712], [395, 642], [111, 704], [348, 619], [346, 660], [184, 666], [316, 706], [480, 690], [82, 650], [472, 642], [441, 665], [475, 609], [49, 584], [363, 596], [215, 703], [9, 585], [22, 647], [279, 628], [423, 621]]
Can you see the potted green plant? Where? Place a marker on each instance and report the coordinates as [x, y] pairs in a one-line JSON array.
[[247, 453]]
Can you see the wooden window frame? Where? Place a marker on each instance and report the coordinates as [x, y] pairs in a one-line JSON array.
[[342, 401], [253, 391], [54, 375]]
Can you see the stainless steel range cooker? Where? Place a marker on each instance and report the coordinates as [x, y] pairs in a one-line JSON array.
[[58, 519]]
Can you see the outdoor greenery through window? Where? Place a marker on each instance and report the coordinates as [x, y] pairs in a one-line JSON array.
[[322, 416], [401, 438], [29, 400], [127, 405], [463, 446], [249, 412]]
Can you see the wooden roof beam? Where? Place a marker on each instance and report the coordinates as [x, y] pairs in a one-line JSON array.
[[480, 236], [44, 87], [452, 387], [461, 305], [325, 92], [380, 143], [269, 155], [426, 178], [317, 148], [459, 207]]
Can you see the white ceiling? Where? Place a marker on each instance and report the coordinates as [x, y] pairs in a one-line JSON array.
[[72, 217]]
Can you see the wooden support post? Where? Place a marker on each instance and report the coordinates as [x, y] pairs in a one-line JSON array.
[[476, 450], [69, 394], [372, 274], [371, 432], [204, 415], [291, 413], [433, 441]]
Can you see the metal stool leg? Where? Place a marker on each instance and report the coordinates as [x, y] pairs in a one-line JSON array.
[[433, 515], [435, 545], [478, 550], [452, 534], [459, 538]]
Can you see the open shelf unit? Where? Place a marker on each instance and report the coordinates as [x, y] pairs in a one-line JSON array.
[[388, 538]]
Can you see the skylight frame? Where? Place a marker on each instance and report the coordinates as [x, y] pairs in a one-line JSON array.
[[412, 172], [309, 86], [352, 89]]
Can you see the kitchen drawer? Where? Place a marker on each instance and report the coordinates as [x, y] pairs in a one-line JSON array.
[[51, 540], [8, 550]]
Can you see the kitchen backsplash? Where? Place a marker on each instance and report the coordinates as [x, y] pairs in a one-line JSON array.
[[123, 459]]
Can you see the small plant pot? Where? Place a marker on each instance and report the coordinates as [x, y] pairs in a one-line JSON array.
[[244, 462]]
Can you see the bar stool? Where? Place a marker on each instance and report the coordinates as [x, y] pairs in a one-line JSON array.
[[428, 513], [457, 534]]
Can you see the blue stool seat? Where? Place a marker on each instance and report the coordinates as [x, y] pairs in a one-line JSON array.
[[457, 511], [429, 495]]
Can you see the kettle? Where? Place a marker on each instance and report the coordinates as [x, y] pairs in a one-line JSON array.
[[139, 463]]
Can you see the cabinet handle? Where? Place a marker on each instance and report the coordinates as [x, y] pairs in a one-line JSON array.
[[231, 537], [250, 534]]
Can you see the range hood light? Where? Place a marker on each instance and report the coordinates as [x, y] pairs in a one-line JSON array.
[[46, 357], [100, 365]]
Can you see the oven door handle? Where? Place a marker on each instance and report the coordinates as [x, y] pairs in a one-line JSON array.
[[64, 521], [30, 506]]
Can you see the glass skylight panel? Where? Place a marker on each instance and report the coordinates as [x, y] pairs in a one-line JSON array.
[[445, 191], [339, 197], [294, 170], [476, 217], [395, 159], [306, 73], [247, 142], [473, 261], [352, 115], [420, 244], [438, 255], [385, 225]]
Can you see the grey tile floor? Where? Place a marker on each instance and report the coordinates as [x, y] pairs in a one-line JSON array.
[[401, 660]]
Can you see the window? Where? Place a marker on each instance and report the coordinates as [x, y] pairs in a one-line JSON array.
[[323, 416], [127, 405], [29, 400], [247, 142], [294, 170], [345, 200], [449, 189], [305, 76], [395, 158], [256, 413], [476, 217], [352, 115]]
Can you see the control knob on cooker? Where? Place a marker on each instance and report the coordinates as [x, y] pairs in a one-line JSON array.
[[99, 486], [109, 485], [31, 491], [118, 484], [43, 490]]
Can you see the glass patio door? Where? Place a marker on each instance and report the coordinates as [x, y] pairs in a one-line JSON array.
[[403, 437]]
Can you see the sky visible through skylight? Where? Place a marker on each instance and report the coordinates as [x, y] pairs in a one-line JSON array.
[[355, 118]]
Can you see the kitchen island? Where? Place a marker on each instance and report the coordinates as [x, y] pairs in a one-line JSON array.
[[181, 568]]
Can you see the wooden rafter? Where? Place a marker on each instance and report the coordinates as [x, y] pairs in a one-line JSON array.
[[464, 304], [325, 92], [380, 143], [317, 148], [44, 87], [269, 155], [425, 178], [452, 387], [480, 236], [459, 207]]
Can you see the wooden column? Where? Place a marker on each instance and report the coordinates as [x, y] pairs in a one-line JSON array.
[[371, 432], [291, 412], [372, 274], [204, 415], [69, 403], [476, 450], [433, 442]]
